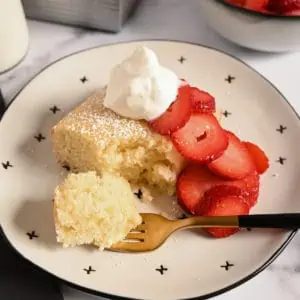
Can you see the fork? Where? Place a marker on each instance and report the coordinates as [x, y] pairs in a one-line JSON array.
[[155, 229]]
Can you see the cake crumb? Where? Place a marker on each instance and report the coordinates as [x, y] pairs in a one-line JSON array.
[[84, 200]]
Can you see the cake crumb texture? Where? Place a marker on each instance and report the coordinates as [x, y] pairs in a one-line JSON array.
[[89, 209]]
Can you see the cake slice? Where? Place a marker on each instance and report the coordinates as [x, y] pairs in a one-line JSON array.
[[92, 209], [94, 138]]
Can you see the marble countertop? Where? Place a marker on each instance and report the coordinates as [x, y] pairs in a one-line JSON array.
[[178, 20]]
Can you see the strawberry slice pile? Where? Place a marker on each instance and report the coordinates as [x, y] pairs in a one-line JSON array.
[[282, 7], [222, 176]]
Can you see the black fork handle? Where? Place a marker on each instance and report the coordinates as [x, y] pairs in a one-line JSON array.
[[285, 221]]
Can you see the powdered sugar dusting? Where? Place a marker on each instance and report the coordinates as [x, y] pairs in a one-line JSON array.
[[102, 124]]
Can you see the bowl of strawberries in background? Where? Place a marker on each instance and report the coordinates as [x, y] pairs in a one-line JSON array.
[[263, 25]]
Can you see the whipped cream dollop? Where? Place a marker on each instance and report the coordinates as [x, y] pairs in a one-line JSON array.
[[140, 88]]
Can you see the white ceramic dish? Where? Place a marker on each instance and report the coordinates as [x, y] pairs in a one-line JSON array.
[[250, 29], [190, 265]]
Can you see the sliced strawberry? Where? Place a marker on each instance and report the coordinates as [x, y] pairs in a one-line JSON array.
[[195, 180], [236, 162], [295, 12], [283, 6], [192, 183], [176, 115], [236, 2], [201, 139], [266, 11], [202, 101], [217, 191], [250, 187], [255, 4], [260, 159], [222, 201]]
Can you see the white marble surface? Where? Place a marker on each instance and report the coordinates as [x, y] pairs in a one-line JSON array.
[[180, 20]]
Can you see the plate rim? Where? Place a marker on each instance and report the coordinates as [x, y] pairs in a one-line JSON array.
[[116, 297]]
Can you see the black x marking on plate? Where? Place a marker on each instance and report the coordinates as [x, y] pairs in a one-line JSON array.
[[161, 269], [182, 59], [89, 270], [226, 113], [39, 137], [32, 235], [229, 78], [281, 160], [139, 194], [83, 79], [6, 165], [281, 129], [54, 109], [227, 265]]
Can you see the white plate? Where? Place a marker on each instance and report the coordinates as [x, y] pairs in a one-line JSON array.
[[190, 264]]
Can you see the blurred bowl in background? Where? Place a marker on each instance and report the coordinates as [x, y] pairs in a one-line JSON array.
[[252, 29]]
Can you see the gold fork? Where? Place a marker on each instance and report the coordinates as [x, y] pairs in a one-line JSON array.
[[155, 229]]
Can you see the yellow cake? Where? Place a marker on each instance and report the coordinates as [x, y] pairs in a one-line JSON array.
[[92, 137], [89, 209]]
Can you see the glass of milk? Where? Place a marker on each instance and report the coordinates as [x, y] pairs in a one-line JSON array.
[[13, 34]]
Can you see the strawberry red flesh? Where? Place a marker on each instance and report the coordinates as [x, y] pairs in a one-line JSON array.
[[256, 4], [236, 2], [214, 192], [192, 183], [176, 115], [222, 201], [202, 101], [283, 6], [201, 139], [260, 159], [195, 180], [295, 12], [236, 162], [250, 187]]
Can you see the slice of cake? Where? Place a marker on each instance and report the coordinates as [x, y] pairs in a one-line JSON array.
[[89, 209], [93, 137]]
